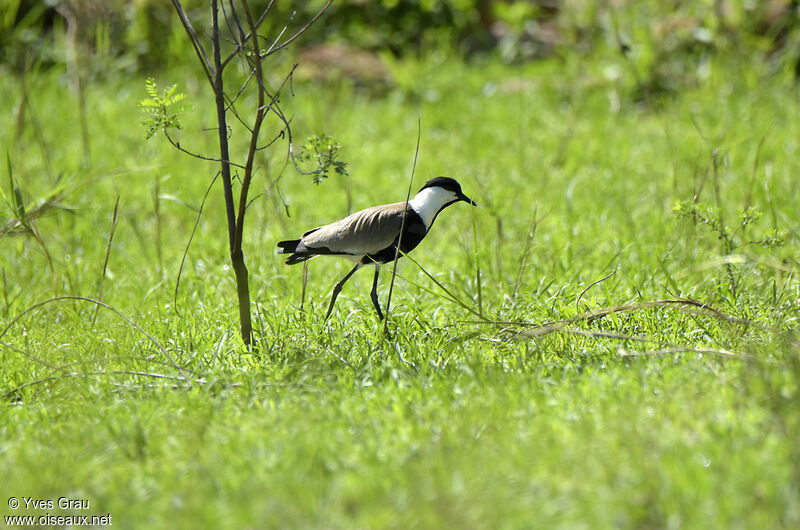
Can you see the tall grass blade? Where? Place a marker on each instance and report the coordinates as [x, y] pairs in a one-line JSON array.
[[188, 244], [402, 227], [105, 263], [476, 257]]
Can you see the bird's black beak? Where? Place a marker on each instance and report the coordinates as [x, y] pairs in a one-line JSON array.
[[466, 199]]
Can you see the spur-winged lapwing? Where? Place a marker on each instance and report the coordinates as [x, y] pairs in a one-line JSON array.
[[372, 235]]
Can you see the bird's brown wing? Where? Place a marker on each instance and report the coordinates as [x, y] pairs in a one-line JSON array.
[[365, 232]]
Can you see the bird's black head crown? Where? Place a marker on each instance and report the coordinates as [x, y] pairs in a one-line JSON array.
[[444, 182], [450, 185]]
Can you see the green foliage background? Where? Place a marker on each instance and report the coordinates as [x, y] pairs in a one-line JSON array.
[[622, 153]]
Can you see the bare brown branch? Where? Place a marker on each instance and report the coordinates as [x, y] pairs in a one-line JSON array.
[[198, 46], [178, 146], [248, 167], [247, 37], [300, 31], [222, 128]]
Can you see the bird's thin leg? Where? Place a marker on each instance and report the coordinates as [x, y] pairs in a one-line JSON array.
[[337, 289], [374, 293]]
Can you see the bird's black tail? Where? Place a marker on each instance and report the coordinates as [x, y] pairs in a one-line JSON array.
[[290, 247], [297, 258]]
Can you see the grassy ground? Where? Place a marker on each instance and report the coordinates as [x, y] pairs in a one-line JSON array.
[[662, 415]]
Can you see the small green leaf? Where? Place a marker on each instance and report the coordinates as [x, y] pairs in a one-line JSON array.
[[322, 150], [160, 108]]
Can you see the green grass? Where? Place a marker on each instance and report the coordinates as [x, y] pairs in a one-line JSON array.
[[661, 416]]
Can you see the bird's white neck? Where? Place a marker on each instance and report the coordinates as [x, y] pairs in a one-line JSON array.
[[428, 202]]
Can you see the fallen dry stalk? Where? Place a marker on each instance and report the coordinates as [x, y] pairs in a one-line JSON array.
[[549, 327]]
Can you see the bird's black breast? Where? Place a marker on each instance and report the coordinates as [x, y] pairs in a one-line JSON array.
[[413, 233]]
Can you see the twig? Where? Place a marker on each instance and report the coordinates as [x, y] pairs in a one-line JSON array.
[[177, 146], [302, 30], [198, 46], [248, 168], [274, 98], [275, 42], [236, 21], [237, 256], [222, 128], [232, 100], [244, 40]]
